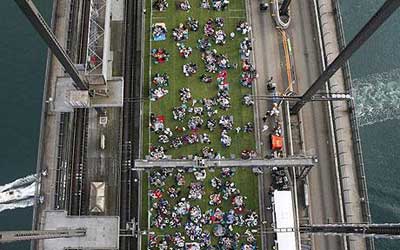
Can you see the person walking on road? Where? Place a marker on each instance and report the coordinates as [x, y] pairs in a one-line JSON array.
[[265, 118]]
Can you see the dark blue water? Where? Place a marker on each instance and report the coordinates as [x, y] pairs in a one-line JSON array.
[[378, 62], [22, 66]]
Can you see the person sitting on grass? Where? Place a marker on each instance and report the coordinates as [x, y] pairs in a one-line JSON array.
[[157, 152], [220, 37], [195, 214], [227, 172], [159, 55], [179, 240], [193, 24], [224, 99], [215, 199], [220, 5], [189, 69], [185, 95], [195, 123], [160, 80], [159, 32], [180, 33], [205, 78], [247, 78], [205, 139], [157, 93], [208, 153], [184, 5], [160, 5], [248, 100], [243, 27], [248, 127], [219, 22], [173, 192], [179, 113], [176, 142], [163, 139], [245, 49], [226, 122], [248, 154], [211, 124], [203, 44], [196, 191], [209, 28], [184, 51], [205, 4]]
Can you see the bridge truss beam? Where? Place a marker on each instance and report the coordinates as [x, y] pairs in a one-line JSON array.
[[299, 162], [12, 236], [38, 22], [365, 33]]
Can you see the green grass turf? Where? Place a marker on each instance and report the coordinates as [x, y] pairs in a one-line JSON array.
[[241, 113], [241, 179], [244, 179]]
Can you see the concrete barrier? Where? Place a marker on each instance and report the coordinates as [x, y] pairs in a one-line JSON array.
[[277, 17], [39, 161]]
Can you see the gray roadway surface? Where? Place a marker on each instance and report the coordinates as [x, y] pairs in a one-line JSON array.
[[267, 59], [104, 165], [270, 62], [322, 179]]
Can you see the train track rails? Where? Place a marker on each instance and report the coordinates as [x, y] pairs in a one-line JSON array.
[[79, 161], [78, 168], [129, 207]]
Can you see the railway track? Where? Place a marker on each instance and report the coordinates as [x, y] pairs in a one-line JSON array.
[[78, 162], [78, 169], [129, 207]]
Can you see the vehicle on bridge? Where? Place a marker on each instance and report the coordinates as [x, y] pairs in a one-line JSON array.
[[103, 141]]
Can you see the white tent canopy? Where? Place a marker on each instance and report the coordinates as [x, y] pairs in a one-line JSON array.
[[284, 220]]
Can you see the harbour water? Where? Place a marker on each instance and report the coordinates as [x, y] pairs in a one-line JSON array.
[[22, 67], [376, 74], [375, 69]]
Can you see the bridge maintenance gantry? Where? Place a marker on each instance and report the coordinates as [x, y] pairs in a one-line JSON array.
[[12, 236]]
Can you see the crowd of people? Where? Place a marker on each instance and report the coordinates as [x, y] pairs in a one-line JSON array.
[[200, 113], [171, 209], [175, 195], [159, 83]]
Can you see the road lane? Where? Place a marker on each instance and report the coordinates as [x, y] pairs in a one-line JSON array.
[[324, 199]]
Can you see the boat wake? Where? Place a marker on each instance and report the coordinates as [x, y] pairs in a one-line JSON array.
[[18, 204], [377, 97], [19, 182], [18, 194]]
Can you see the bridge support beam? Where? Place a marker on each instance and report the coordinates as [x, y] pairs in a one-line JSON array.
[[11, 236], [227, 163], [38, 22], [388, 230], [366, 32]]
